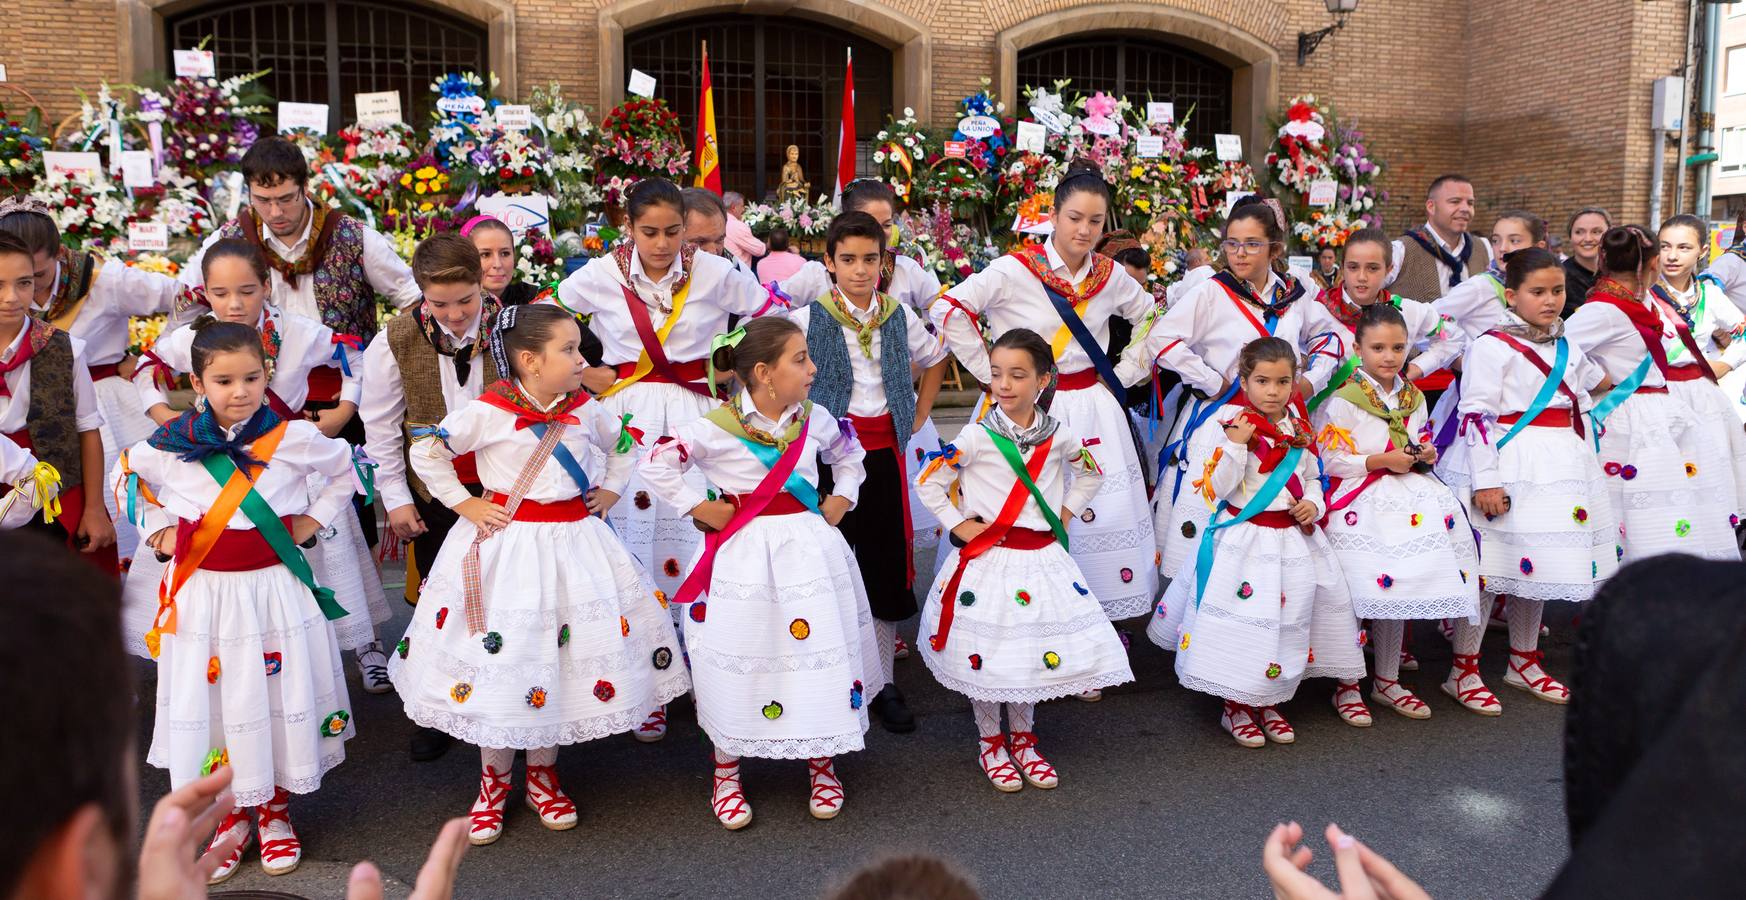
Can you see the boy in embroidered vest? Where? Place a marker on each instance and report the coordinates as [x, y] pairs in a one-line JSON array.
[[864, 367], [421, 367], [48, 406], [1440, 254]]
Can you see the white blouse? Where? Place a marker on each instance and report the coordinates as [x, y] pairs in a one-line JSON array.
[[910, 283], [118, 292], [867, 394], [1237, 475], [383, 406], [986, 479], [17, 505], [185, 490], [1201, 336], [1609, 339], [1006, 296], [501, 451], [1730, 270], [1510, 387], [306, 345], [1713, 313], [597, 289], [729, 466], [1431, 344], [1369, 433], [15, 410], [1477, 305]]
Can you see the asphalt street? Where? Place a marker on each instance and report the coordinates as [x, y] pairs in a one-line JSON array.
[[1155, 800]]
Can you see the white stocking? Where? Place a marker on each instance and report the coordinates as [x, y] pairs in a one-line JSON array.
[[497, 759], [544, 757], [1468, 636], [1387, 636], [987, 717], [886, 634], [1022, 716], [1524, 616], [726, 759]]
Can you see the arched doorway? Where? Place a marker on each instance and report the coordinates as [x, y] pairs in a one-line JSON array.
[[327, 51], [777, 81], [1124, 65]]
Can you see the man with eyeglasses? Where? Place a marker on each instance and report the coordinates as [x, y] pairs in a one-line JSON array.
[[1440, 254]]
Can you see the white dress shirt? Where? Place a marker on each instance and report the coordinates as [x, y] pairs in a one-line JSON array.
[[19, 505], [1237, 475], [597, 289], [15, 409], [1730, 270], [1510, 385], [730, 467], [986, 480], [1431, 344], [383, 406], [1005, 295], [1610, 340], [867, 394], [118, 292], [501, 451], [306, 345], [185, 490], [1477, 305], [910, 283], [1369, 433], [1715, 313], [387, 273], [1480, 246]]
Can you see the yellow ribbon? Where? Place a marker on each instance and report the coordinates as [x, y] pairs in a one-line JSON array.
[[47, 482], [1334, 436], [1203, 484], [1063, 335], [645, 365]]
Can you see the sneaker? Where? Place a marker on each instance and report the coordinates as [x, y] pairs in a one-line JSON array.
[[236, 822], [727, 800], [1397, 698], [1465, 686], [827, 791], [546, 797], [997, 765], [281, 852], [1031, 764], [1091, 696], [654, 727], [373, 668], [485, 819], [1349, 703], [1525, 674], [1273, 724], [892, 711], [1238, 721]]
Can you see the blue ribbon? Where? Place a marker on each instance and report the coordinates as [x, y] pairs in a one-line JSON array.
[[1263, 497], [432, 431], [1614, 398], [365, 467], [1198, 414], [803, 490], [565, 459], [1543, 398], [1082, 336], [133, 514], [339, 354]]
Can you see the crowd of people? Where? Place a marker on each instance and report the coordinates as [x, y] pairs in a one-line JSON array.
[[749, 492]]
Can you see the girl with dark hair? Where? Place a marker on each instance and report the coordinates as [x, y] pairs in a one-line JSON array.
[[656, 303], [498, 260], [1202, 336], [1052, 642], [782, 647], [1068, 293], [1401, 536], [241, 591], [512, 646], [237, 291], [92, 298], [1701, 336], [1524, 466], [1231, 640], [1661, 507]]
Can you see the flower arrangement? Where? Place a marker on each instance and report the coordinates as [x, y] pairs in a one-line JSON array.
[[1022, 177], [507, 160], [206, 123], [799, 217], [1300, 151], [951, 249], [20, 150], [901, 149], [1311, 146], [425, 181], [538, 263], [91, 211], [638, 139], [570, 137], [185, 213], [978, 107]]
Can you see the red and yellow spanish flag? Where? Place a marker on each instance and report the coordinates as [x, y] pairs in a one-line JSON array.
[[708, 160]]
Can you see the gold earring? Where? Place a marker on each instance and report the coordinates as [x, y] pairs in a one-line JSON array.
[[772, 386]]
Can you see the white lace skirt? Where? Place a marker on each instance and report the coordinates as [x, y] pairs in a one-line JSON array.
[[1025, 629], [1719, 442], [1651, 452], [661, 538], [924, 526], [1407, 550], [1276, 611], [124, 424], [784, 656], [576, 646], [1179, 512], [252, 670], [1559, 540]]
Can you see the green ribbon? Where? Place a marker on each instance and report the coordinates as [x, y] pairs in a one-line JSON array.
[[1341, 374], [267, 522], [626, 441], [730, 339], [1010, 451]]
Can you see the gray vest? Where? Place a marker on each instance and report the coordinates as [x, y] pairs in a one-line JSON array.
[[829, 348]]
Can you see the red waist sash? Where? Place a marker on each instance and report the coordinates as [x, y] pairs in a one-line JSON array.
[[686, 371], [107, 370], [1076, 381], [783, 504], [1686, 372], [1271, 518], [1558, 417], [880, 433], [237, 550], [324, 385], [574, 509]]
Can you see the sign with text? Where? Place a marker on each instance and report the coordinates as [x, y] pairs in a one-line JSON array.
[[455, 106], [955, 149], [142, 236], [1324, 192], [1160, 112], [513, 117], [642, 83], [136, 169], [519, 211], [194, 64], [305, 116], [1149, 146], [378, 108], [1030, 137], [978, 127], [1228, 146], [70, 163]]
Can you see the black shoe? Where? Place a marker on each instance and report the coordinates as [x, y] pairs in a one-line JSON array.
[[429, 744], [893, 713]]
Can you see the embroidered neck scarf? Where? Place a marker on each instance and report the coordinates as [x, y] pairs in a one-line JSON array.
[[1362, 393], [1456, 262], [1280, 298], [1686, 309], [489, 307], [735, 421], [1514, 326], [841, 310], [507, 396], [321, 227], [1269, 443], [1042, 427], [37, 334], [621, 256], [195, 435]]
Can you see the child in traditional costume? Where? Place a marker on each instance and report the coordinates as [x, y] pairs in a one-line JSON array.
[[1065, 290], [26, 486], [912, 285], [783, 650], [1401, 536], [865, 343], [1231, 638], [1201, 337], [237, 290], [49, 407], [1702, 336], [1010, 619], [1529, 477], [536, 628], [656, 303], [92, 298], [248, 669], [1652, 445]]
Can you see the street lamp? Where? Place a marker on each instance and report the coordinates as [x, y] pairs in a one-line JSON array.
[[1307, 42]]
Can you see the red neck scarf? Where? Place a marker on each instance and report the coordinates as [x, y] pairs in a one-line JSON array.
[[1270, 444], [36, 334], [506, 396], [1642, 316]]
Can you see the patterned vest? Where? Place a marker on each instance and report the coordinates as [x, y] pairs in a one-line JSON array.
[[1419, 278], [421, 380], [52, 420], [342, 289], [829, 349]]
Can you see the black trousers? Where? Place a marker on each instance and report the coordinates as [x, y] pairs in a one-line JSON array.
[[875, 530]]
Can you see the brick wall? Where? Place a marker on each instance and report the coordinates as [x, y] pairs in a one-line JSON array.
[[1544, 105]]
